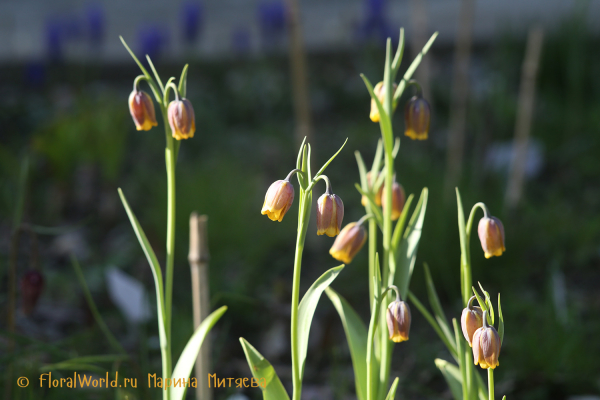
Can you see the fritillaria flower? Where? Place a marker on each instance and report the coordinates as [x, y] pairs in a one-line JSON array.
[[181, 118], [330, 212], [491, 235], [417, 116], [398, 320], [471, 320], [142, 110], [486, 345], [348, 243]]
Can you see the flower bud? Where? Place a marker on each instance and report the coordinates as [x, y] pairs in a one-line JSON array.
[[398, 199], [398, 320], [379, 91], [471, 320], [417, 115], [370, 183], [32, 285], [350, 240], [491, 235], [181, 118], [330, 212], [486, 346], [141, 108], [278, 200]]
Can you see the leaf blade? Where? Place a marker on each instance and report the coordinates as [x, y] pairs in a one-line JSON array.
[[262, 369]]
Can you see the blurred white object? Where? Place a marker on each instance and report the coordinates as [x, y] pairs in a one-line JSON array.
[[238, 397], [500, 156], [128, 294]]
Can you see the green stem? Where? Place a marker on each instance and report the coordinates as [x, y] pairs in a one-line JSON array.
[[305, 207], [491, 383], [170, 159], [372, 253]]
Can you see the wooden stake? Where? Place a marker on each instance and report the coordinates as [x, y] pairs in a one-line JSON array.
[[198, 258], [526, 102], [460, 92], [299, 75]]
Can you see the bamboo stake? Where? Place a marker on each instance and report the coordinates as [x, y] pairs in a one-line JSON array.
[[299, 74], [420, 35], [198, 258], [460, 92], [526, 102]]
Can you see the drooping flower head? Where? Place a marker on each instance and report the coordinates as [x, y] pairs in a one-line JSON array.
[[181, 119], [491, 235], [398, 320], [486, 345], [471, 319], [417, 115], [398, 200], [279, 198], [330, 212], [348, 243], [141, 108]]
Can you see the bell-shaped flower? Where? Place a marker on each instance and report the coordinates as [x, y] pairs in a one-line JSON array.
[[347, 244], [141, 108], [491, 235], [278, 200], [330, 212], [181, 119], [417, 116], [398, 320]]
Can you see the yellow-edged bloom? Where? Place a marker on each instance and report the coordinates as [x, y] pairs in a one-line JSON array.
[[379, 91], [181, 119], [278, 200], [471, 319], [486, 347], [330, 212], [370, 183], [398, 200], [350, 240], [398, 320], [491, 235], [141, 108], [417, 116]]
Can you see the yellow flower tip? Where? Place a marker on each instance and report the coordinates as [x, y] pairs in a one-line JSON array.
[[374, 115], [340, 256]]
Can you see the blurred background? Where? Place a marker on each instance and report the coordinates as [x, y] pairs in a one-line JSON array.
[[514, 88]]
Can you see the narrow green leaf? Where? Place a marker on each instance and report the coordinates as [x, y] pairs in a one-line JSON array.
[[374, 208], [452, 375], [483, 304], [264, 373], [434, 300], [92, 305], [155, 73], [377, 161], [406, 255], [504, 398], [356, 335], [413, 66], [448, 340], [399, 229], [398, 56], [462, 356], [362, 171], [330, 160], [309, 177], [396, 148], [183, 81], [392, 393], [63, 366], [462, 233], [501, 324], [151, 82], [154, 266], [384, 119], [186, 361], [306, 311], [488, 302], [300, 151]]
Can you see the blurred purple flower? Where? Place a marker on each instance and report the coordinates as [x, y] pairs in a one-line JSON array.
[[240, 40], [152, 41], [35, 74], [272, 21], [191, 20], [54, 40], [375, 23], [96, 23]]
